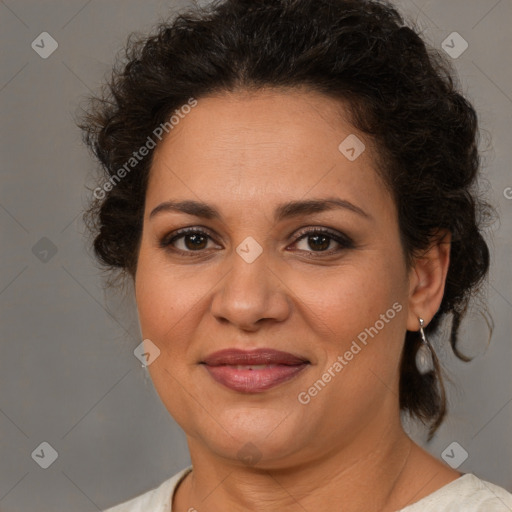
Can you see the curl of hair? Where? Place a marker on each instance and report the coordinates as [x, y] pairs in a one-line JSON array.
[[398, 90]]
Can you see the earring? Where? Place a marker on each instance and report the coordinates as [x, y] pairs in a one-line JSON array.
[[424, 360]]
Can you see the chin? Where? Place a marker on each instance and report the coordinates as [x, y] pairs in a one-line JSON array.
[[255, 436]]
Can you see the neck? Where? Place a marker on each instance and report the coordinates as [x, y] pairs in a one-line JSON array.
[[340, 480]]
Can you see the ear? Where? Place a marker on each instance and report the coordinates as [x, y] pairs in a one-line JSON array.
[[427, 280]]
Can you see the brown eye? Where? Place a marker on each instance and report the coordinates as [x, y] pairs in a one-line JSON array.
[[194, 241], [186, 241], [319, 240]]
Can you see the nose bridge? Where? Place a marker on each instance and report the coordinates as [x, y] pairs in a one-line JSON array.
[[250, 290]]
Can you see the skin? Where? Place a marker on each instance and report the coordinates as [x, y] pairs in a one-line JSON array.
[[244, 153]]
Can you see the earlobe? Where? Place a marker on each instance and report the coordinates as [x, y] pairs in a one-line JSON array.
[[427, 281]]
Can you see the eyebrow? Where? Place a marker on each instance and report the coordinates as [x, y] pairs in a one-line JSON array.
[[282, 211]]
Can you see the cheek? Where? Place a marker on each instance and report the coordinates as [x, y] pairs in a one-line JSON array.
[[164, 307], [354, 298], [360, 317], [166, 297], [364, 324]]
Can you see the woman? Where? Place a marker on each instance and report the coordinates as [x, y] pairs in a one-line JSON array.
[[290, 185]]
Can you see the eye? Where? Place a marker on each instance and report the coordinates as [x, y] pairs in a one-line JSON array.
[[187, 240], [318, 240]]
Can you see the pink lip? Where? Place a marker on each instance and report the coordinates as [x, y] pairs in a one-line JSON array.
[[224, 367]]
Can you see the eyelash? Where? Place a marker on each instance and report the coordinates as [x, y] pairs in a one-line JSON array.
[[344, 241]]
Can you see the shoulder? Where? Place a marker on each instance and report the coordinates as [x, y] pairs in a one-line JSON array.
[[468, 493], [155, 500]]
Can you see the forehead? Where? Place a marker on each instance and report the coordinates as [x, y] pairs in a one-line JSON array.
[[268, 144]]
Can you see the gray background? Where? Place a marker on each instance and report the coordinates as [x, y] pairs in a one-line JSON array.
[[68, 375]]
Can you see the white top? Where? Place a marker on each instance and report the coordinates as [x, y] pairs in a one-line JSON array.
[[465, 494]]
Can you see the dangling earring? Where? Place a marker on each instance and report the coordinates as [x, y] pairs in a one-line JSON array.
[[424, 360]]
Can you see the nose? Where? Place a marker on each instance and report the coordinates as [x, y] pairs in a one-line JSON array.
[[251, 294]]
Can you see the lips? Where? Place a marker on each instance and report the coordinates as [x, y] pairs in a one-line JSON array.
[[252, 357], [253, 371]]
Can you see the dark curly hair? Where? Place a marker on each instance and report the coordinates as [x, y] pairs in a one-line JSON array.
[[400, 92]]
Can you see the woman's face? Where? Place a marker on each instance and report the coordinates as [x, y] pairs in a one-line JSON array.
[[247, 278]]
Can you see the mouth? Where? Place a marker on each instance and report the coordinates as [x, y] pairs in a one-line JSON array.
[[253, 371]]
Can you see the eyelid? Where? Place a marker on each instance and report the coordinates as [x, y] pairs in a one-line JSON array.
[[323, 230]]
